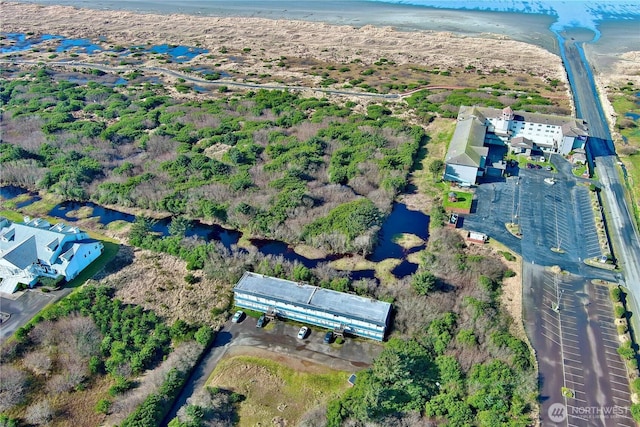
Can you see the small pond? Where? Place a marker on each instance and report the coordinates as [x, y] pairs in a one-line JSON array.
[[401, 221]]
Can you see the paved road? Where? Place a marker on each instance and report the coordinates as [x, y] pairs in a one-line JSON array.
[[278, 337], [624, 235]]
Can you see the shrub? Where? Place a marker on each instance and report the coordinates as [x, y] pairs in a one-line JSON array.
[[423, 282], [190, 279], [339, 340], [635, 411], [509, 273], [508, 256], [635, 385], [620, 311], [616, 294], [626, 351], [103, 406], [622, 329]]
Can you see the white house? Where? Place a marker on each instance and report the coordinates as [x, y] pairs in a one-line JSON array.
[[522, 132], [34, 248]]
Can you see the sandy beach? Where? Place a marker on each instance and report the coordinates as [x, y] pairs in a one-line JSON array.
[[269, 38]]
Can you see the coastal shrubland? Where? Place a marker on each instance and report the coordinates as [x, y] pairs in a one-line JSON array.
[[624, 100], [90, 348], [272, 163], [452, 358]]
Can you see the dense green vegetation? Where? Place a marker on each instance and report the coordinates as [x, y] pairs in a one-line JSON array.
[[70, 345], [269, 162], [454, 361], [626, 102]]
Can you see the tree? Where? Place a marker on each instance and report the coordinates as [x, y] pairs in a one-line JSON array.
[[204, 335], [140, 229], [40, 413], [436, 167], [423, 282], [179, 226], [13, 387]]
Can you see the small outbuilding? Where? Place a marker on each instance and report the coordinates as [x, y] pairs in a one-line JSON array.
[[305, 303]]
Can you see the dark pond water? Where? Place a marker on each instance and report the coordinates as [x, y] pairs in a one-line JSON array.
[[18, 42], [80, 45], [11, 192], [178, 54], [401, 220]]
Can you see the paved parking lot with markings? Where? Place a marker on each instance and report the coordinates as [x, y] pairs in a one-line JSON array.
[[576, 339], [569, 320]]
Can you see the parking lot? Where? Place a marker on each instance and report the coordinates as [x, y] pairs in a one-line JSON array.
[[19, 308], [576, 348], [280, 337], [551, 216]]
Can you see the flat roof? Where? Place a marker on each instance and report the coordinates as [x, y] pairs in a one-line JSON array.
[[313, 297]]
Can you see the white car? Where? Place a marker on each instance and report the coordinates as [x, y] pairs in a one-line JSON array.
[[302, 333], [238, 316]]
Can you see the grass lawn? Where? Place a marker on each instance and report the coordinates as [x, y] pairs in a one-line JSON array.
[[578, 171], [464, 200], [523, 160], [274, 390], [109, 252]]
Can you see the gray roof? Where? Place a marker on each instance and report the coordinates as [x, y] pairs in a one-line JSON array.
[[570, 125], [23, 254], [467, 144], [46, 238], [313, 297], [522, 142]]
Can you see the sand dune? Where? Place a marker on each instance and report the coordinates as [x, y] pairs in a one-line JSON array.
[[275, 38]]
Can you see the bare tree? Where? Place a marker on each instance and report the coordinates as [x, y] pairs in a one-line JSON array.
[[316, 417], [13, 386], [40, 413], [39, 362]]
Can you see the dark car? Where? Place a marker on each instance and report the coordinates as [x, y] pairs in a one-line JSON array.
[[260, 322], [328, 337]]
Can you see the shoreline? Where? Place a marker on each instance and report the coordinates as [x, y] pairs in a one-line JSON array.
[[273, 39]]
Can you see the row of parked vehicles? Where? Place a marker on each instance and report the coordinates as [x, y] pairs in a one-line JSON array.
[[302, 333]]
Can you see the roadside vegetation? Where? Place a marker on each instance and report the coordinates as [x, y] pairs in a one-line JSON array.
[[626, 103]]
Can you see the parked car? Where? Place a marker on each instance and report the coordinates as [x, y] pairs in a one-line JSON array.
[[237, 317], [261, 321], [328, 337], [302, 333], [548, 168]]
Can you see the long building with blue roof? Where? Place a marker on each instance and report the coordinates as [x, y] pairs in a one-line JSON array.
[[305, 303]]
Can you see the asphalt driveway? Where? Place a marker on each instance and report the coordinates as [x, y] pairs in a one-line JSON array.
[[280, 337]]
